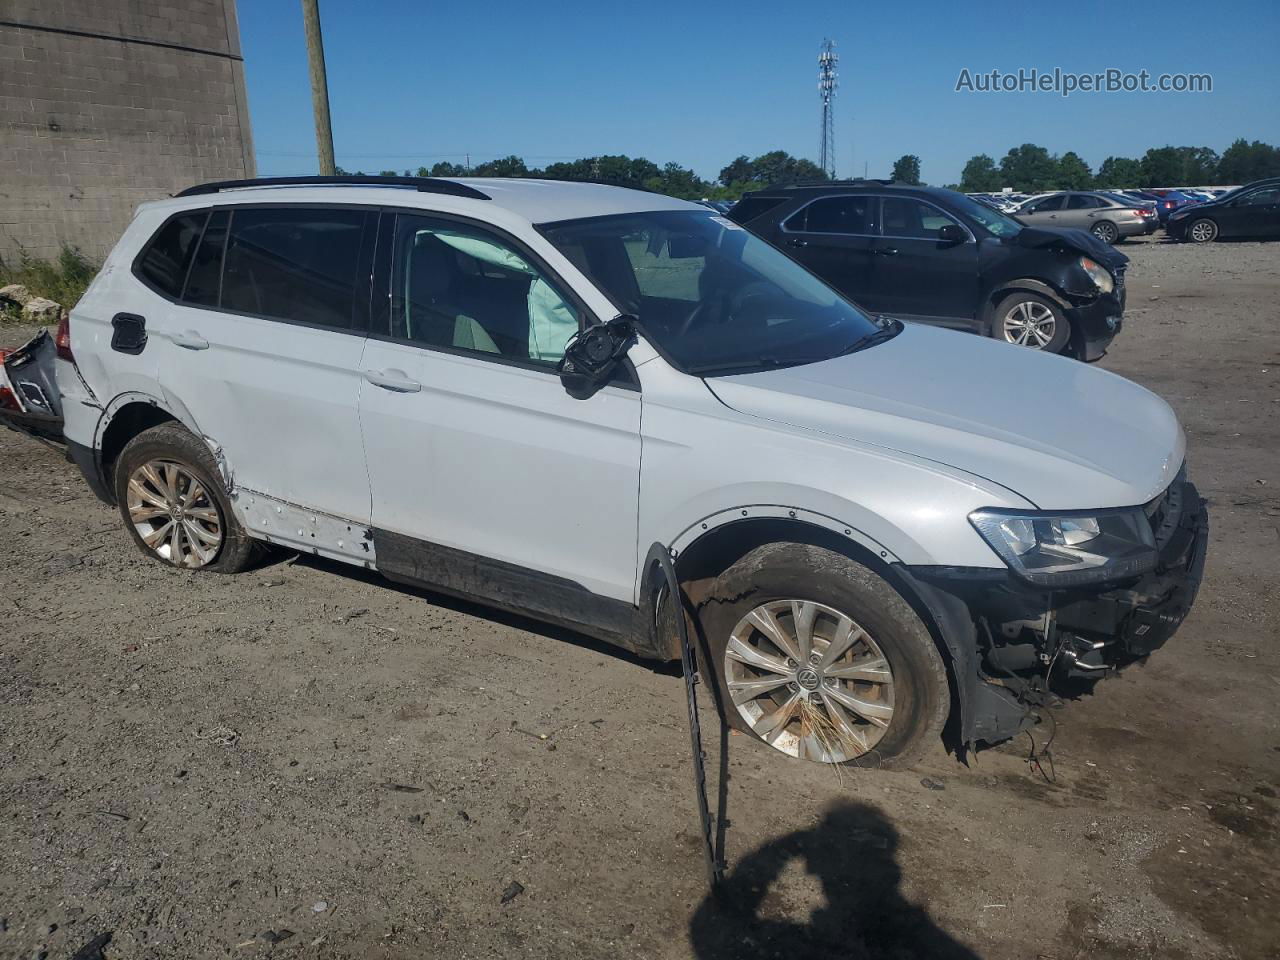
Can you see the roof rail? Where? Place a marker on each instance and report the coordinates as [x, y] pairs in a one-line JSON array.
[[421, 184]]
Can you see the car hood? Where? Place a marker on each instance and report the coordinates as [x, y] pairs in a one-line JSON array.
[[1061, 434], [1069, 239]]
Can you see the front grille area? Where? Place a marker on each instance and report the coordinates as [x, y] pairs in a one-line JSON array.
[[1165, 511]]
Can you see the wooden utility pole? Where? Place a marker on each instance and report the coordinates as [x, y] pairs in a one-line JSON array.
[[319, 87]]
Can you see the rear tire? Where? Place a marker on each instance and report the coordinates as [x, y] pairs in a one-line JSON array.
[[1105, 231], [874, 694], [173, 503]]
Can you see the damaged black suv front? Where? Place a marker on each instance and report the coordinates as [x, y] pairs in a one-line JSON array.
[[1086, 593]]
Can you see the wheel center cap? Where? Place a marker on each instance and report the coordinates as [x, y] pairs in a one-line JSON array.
[[808, 678]]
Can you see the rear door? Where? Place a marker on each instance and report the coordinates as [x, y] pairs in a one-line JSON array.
[[263, 353], [1080, 211], [1044, 213], [917, 275], [834, 236], [488, 479]]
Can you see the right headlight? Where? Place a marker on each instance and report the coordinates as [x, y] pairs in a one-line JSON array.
[[1070, 548]]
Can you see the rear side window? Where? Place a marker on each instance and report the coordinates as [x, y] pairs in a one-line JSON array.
[[205, 276], [294, 264], [748, 208], [835, 215], [163, 265]]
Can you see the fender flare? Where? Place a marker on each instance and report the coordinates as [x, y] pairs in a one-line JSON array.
[[721, 518], [175, 410]]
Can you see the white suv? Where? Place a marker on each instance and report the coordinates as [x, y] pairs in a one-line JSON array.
[[511, 389]]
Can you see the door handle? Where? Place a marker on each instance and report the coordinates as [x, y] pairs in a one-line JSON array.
[[797, 242], [396, 381], [191, 340], [886, 252]]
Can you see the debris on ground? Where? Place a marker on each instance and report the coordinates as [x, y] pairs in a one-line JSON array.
[[514, 889], [93, 949]]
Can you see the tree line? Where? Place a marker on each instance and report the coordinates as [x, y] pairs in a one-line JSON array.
[[775, 168], [1030, 168]]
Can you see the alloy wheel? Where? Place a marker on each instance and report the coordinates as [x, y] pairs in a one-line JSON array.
[[1202, 231], [1106, 232], [1029, 323], [809, 681], [173, 514]]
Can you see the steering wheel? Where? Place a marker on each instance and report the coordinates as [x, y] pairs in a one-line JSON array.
[[695, 315]]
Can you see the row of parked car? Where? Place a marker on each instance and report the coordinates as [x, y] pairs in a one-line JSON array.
[[1195, 215]]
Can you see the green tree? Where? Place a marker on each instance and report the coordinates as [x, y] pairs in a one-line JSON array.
[[980, 175], [741, 170], [906, 169], [511, 166], [1029, 169], [1119, 173], [1073, 172], [1244, 162]]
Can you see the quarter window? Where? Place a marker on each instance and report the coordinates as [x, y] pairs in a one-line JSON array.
[[164, 263], [460, 287], [835, 215], [294, 263]]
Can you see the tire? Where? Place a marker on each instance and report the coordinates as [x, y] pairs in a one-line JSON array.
[[1203, 230], [1029, 320], [168, 458], [905, 704], [1105, 231]]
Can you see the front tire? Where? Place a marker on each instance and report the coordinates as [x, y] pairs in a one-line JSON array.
[[1203, 230], [174, 505], [820, 658], [1032, 321]]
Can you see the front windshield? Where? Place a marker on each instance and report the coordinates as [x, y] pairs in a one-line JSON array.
[[995, 222], [714, 297]]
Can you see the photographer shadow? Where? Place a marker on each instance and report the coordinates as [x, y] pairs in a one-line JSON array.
[[852, 854]]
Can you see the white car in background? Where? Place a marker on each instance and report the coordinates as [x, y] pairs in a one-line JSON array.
[[510, 389]]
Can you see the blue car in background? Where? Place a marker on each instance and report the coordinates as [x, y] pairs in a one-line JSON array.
[[1168, 201]]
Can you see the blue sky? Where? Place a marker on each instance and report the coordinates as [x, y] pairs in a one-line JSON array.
[[702, 82]]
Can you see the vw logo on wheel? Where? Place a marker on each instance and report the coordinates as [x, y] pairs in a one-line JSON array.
[[808, 678]]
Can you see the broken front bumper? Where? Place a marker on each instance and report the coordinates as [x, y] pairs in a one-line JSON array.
[[1008, 639]]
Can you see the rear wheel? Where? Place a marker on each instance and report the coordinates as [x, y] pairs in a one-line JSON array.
[[1105, 231], [1202, 231], [821, 659], [174, 506]]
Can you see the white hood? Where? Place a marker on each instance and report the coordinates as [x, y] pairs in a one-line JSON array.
[[1060, 433]]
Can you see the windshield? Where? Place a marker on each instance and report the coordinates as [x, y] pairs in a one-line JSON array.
[[714, 297], [995, 222]]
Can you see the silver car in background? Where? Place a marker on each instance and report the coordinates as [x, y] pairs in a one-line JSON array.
[[1104, 217]]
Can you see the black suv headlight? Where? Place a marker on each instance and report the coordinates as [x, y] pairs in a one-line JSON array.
[[1070, 548]]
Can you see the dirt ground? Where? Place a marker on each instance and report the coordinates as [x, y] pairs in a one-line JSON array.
[[202, 765]]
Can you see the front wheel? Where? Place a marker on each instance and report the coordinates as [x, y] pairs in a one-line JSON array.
[[1029, 320], [821, 659], [1202, 231]]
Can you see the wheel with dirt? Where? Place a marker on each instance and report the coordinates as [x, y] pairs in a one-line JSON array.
[[1203, 230], [823, 660], [1030, 320], [1105, 231], [174, 506]]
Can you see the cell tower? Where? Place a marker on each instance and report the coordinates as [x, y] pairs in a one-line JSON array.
[[827, 61]]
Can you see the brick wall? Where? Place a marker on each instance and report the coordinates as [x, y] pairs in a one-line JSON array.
[[93, 120]]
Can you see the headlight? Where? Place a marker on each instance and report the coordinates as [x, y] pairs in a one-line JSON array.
[[1072, 548], [1099, 274]]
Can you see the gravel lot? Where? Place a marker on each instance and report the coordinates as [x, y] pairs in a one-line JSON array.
[[203, 765]]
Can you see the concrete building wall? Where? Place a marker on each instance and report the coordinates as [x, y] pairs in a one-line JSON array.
[[107, 103]]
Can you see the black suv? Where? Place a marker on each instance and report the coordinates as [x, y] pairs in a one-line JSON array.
[[936, 256]]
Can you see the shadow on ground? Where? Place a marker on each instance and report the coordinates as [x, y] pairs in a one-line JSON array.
[[852, 853]]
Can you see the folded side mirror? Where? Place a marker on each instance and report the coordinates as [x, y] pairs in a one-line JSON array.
[[591, 357], [952, 233]]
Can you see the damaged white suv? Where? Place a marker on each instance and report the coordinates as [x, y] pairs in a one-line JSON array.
[[510, 389]]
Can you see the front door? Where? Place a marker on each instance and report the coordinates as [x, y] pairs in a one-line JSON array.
[[918, 275], [488, 479], [834, 237], [1256, 214], [262, 352]]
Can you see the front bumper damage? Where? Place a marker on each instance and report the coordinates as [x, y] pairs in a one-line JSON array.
[[1010, 641]]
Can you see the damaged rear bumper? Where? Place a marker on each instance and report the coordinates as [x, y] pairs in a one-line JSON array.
[[29, 398], [1008, 639]]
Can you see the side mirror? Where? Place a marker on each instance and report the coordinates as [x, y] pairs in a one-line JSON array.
[[591, 357], [952, 233]]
